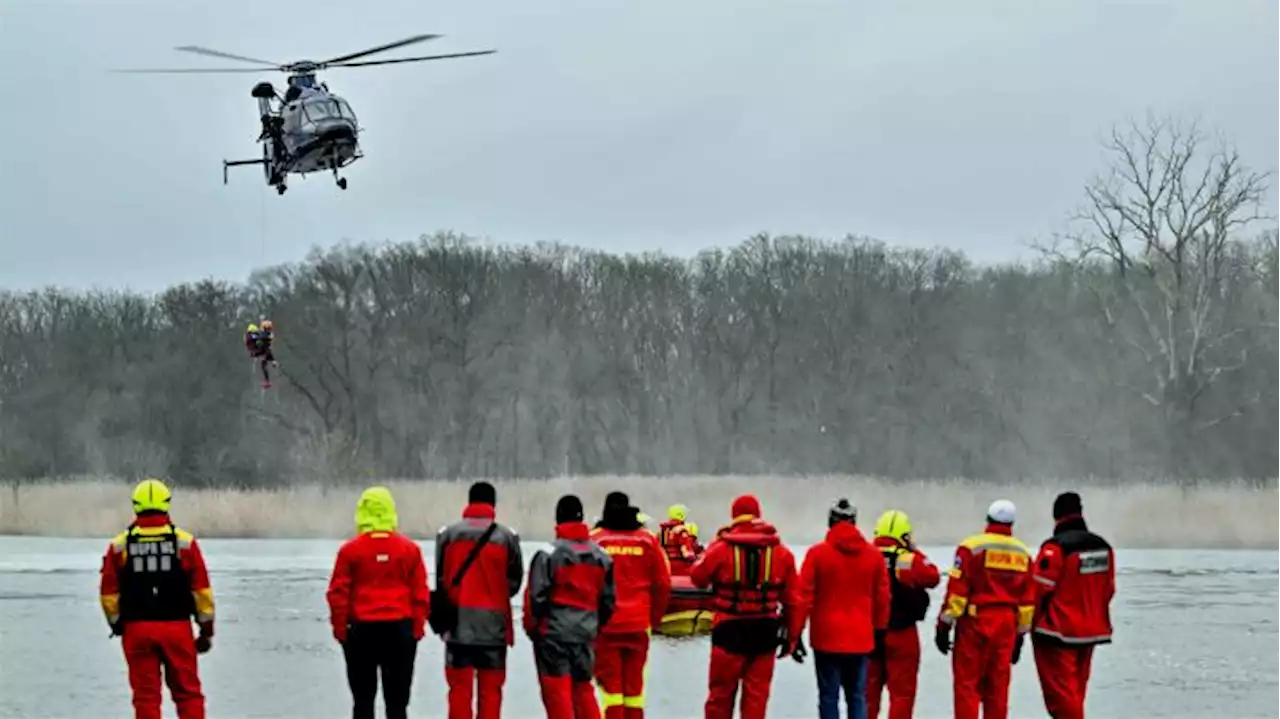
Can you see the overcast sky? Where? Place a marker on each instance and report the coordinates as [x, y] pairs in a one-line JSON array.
[[670, 125]]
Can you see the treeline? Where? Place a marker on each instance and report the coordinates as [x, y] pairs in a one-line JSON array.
[[455, 358]]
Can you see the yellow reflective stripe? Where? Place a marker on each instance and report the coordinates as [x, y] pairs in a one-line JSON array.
[[608, 699], [737, 565], [768, 568], [1025, 614], [111, 607], [204, 604], [954, 573], [634, 702], [956, 606]]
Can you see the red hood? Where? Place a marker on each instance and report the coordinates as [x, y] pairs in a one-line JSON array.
[[158, 519], [997, 528], [751, 531], [888, 542], [478, 511], [846, 538], [573, 531]]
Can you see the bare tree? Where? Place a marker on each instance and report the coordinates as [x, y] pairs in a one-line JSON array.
[[1165, 215]]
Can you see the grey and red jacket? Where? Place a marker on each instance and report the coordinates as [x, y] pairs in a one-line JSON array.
[[483, 598], [570, 592]]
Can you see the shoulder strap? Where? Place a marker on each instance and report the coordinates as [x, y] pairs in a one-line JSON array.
[[475, 552]]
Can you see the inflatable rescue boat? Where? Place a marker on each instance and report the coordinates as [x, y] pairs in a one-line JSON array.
[[688, 610]]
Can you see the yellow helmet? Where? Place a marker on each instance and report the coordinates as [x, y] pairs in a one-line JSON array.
[[151, 495], [252, 328], [693, 529], [677, 512], [895, 524]]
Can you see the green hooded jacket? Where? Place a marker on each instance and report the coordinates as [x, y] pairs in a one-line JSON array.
[[376, 511]]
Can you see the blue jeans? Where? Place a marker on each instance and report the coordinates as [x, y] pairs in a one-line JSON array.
[[836, 672]]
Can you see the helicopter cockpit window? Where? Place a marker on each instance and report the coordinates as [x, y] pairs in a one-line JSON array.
[[320, 110], [344, 110]]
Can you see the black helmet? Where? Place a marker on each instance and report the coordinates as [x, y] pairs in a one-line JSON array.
[[842, 511]]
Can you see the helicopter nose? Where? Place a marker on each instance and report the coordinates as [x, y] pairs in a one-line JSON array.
[[341, 132]]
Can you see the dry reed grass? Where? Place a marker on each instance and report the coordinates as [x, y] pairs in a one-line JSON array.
[[1206, 515]]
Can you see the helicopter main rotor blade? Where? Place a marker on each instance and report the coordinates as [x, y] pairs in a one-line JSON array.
[[195, 70], [380, 48], [367, 63], [225, 55]]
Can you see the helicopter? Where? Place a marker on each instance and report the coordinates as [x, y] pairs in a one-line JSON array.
[[309, 128]]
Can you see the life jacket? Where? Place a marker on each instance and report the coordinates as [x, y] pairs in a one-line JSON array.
[[670, 535], [907, 605], [752, 589], [154, 586]]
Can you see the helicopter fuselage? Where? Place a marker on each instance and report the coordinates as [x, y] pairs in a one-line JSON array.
[[317, 132]]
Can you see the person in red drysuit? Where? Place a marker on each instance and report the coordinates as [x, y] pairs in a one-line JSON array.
[[752, 576], [896, 665], [379, 603], [568, 597], [153, 583], [476, 645], [676, 540], [642, 582], [990, 600], [844, 586], [1075, 580]]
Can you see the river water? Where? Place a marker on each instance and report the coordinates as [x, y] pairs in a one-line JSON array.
[[1196, 636]]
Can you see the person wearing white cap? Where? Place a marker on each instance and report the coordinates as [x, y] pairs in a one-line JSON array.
[[990, 601]]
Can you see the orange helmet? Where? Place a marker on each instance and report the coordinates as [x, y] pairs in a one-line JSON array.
[[268, 325]]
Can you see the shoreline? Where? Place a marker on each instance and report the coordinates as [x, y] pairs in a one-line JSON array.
[[1140, 515]]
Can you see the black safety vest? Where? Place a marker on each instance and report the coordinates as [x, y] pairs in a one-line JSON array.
[[153, 584], [907, 605]]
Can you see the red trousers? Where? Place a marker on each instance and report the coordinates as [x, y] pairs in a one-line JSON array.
[[1064, 675], [564, 675], [898, 670], [151, 645], [982, 661], [620, 664], [476, 675], [728, 670]]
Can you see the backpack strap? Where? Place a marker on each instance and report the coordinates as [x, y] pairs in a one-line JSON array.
[[474, 553]]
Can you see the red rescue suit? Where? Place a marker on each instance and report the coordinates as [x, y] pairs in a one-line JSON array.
[[752, 576], [154, 582], [679, 544], [911, 575], [1075, 579], [642, 586], [989, 601]]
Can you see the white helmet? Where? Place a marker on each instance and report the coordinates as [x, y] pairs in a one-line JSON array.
[[1002, 511]]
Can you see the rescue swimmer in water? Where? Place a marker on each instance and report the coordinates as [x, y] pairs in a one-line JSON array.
[[594, 598]]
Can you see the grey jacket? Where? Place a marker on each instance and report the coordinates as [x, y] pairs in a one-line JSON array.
[[570, 593], [484, 596]]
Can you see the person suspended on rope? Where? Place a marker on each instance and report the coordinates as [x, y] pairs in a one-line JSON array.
[[257, 342]]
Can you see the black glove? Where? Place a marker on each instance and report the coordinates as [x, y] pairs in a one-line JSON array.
[[203, 644], [942, 638], [799, 653], [1017, 648], [878, 652], [117, 630]]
